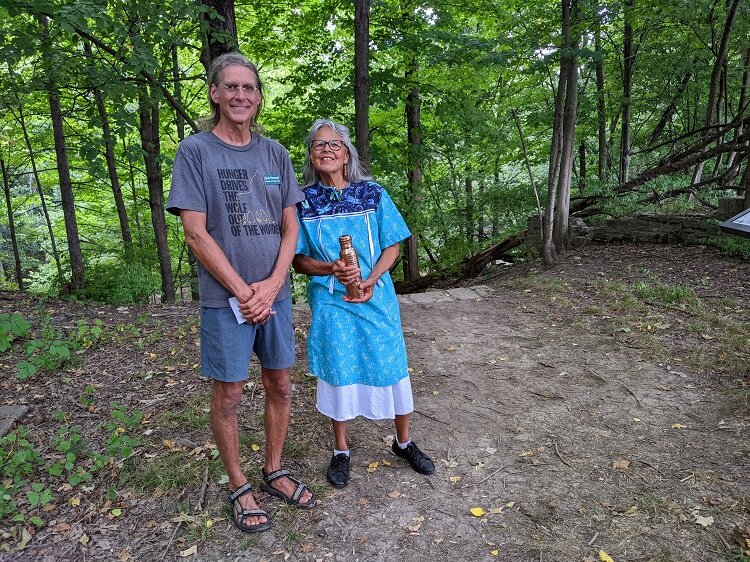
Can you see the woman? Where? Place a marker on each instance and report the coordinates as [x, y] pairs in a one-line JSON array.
[[355, 346]]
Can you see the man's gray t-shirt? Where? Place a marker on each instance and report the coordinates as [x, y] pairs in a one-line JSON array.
[[242, 190]]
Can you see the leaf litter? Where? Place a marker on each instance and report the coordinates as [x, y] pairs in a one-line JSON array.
[[564, 507]]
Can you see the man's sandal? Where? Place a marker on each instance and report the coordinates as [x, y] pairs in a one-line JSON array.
[[295, 497], [240, 513]]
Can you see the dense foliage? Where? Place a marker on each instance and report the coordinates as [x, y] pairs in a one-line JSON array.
[[486, 74]]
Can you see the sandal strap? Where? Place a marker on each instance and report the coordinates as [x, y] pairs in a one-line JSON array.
[[251, 512], [275, 475], [242, 513], [241, 491], [299, 491]]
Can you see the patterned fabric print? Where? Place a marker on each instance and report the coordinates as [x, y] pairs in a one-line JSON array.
[[356, 198], [353, 343]]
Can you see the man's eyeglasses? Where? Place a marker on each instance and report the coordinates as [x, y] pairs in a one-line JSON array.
[[247, 88], [334, 145]]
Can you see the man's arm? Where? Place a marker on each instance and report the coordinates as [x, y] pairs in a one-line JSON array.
[[211, 256], [309, 266], [264, 292], [346, 274]]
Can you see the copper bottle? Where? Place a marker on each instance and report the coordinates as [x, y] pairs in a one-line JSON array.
[[349, 255]]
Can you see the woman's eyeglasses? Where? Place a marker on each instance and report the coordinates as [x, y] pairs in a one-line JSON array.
[[334, 145]]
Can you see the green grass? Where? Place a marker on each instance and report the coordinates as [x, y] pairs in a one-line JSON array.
[[248, 439], [553, 286], [193, 414], [200, 527], [176, 471], [668, 293], [731, 246], [739, 556], [618, 296], [665, 320], [739, 395]]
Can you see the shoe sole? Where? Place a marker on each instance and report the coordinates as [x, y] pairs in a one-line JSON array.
[[414, 469], [335, 485]]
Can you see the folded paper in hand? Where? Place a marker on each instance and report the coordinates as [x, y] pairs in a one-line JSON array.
[[235, 305]]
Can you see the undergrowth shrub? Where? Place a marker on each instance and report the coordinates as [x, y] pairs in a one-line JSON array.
[[121, 283], [732, 246]]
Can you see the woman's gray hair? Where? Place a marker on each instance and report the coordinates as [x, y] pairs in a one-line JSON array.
[[354, 168], [214, 77]]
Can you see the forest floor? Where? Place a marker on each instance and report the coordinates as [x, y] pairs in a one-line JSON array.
[[598, 406]]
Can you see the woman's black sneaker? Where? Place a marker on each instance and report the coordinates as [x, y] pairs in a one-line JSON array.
[[338, 471], [417, 459]]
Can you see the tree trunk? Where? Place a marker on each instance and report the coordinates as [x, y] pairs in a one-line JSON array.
[[133, 191], [109, 156], [221, 33], [362, 81], [610, 152], [627, 90], [77, 281], [601, 112], [469, 267], [495, 205], [582, 166], [521, 137], [177, 85], [682, 161], [722, 111], [12, 225], [743, 101], [667, 114], [469, 191], [549, 254], [479, 207], [42, 198], [414, 172], [562, 211], [714, 89], [149, 129], [180, 125], [746, 184]]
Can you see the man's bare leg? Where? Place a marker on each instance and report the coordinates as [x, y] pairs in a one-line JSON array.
[[225, 399], [278, 386]]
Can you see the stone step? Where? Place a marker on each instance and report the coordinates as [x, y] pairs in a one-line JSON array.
[[477, 292]]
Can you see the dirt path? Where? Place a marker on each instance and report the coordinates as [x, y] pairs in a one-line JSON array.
[[579, 415]]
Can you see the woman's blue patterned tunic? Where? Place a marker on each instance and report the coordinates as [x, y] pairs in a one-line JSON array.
[[352, 343]]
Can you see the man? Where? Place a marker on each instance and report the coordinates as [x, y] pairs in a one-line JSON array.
[[235, 192]]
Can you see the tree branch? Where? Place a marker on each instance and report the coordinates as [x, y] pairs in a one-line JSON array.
[[143, 72]]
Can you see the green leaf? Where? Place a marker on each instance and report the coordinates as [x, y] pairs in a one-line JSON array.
[[19, 325], [26, 370]]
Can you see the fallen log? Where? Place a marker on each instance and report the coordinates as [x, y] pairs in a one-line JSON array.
[[469, 267]]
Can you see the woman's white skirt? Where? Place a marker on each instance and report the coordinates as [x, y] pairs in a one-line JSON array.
[[343, 403]]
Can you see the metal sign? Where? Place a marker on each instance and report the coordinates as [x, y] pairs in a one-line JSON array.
[[739, 225]]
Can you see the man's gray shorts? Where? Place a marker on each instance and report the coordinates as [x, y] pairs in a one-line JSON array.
[[226, 346]]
